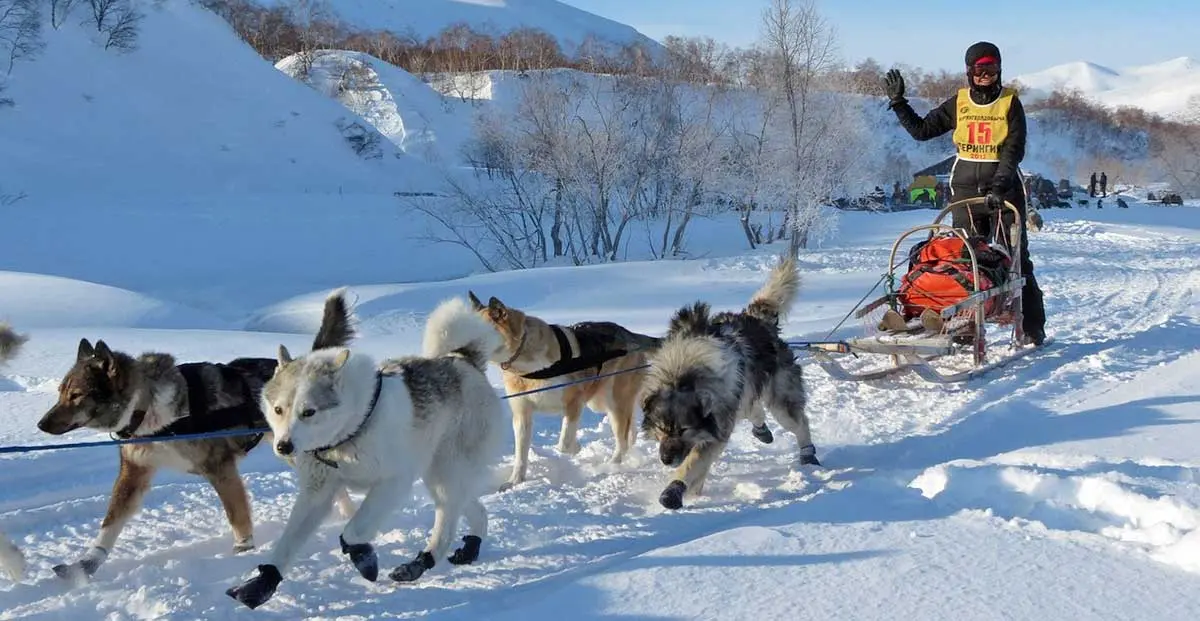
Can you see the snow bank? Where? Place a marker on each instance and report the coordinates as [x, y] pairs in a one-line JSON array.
[[36, 301], [416, 118]]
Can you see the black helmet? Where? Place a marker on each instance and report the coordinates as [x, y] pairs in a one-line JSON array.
[[982, 50]]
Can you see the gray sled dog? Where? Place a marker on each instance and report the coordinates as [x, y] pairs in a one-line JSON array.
[[713, 370], [536, 354], [347, 421], [152, 396], [12, 560]]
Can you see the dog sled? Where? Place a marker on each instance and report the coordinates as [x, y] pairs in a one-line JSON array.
[[938, 305]]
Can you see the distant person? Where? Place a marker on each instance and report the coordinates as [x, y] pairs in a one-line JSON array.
[[1103, 184], [1092, 186], [989, 128]]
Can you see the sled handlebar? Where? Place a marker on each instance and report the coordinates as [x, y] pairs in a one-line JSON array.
[[1014, 235]]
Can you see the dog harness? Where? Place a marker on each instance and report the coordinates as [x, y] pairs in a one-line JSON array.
[[200, 418], [592, 353], [316, 453]]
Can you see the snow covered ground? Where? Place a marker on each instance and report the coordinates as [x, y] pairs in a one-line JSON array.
[[1066, 486]]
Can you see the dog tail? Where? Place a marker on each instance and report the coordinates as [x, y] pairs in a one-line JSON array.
[[10, 343], [691, 321], [12, 561], [454, 328], [337, 329], [774, 299]]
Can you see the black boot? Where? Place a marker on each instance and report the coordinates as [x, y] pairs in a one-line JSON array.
[[1033, 311]]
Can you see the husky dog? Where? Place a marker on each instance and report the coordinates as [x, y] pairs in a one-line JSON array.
[[713, 370], [151, 396], [536, 354], [347, 421], [12, 560]]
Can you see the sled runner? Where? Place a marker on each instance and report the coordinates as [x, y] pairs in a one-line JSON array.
[[939, 301]]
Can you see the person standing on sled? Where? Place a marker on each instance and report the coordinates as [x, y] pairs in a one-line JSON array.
[[988, 122]]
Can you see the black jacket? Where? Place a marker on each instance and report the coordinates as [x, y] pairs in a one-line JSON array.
[[972, 178]]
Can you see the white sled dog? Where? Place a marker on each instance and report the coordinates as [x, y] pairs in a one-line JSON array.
[[349, 422], [11, 558]]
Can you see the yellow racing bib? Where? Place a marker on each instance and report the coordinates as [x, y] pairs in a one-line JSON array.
[[980, 130]]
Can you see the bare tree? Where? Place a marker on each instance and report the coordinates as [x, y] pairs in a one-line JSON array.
[[60, 10], [511, 211], [1177, 150], [940, 86], [118, 21], [122, 30], [20, 30], [695, 59], [11, 199], [580, 165]]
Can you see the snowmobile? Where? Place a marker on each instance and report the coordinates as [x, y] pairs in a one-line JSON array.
[[938, 303]]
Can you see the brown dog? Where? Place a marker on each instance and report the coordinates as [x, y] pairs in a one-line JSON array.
[[537, 354], [131, 397]]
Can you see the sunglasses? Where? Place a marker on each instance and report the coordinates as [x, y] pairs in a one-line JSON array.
[[990, 70]]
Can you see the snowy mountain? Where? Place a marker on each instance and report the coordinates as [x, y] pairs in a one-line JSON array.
[[426, 18], [1163, 88]]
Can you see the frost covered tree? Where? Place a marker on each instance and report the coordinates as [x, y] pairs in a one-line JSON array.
[[1177, 150], [581, 166], [800, 49]]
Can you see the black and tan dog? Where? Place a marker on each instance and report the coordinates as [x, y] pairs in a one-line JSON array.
[[151, 396], [537, 354]]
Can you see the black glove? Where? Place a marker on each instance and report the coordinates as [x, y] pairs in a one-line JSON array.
[[994, 202], [893, 85]]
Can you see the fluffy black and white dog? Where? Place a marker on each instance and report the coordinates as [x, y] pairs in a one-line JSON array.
[[713, 370]]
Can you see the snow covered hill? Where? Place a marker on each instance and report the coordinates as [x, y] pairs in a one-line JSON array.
[[570, 26], [1061, 487], [191, 111], [1163, 88]]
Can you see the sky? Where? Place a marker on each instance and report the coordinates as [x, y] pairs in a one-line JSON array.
[[933, 34]]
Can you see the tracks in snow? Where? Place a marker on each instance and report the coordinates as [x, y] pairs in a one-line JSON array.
[[1116, 305]]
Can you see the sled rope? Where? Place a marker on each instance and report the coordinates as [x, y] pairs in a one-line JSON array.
[[233, 433], [886, 275]]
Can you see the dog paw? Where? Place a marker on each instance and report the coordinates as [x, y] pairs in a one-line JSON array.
[[467, 554], [364, 559], [762, 433], [84, 568], [569, 449], [809, 460], [672, 497], [509, 484], [244, 546], [410, 571], [256, 591], [72, 573]]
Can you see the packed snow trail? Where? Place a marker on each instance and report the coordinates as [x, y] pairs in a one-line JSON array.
[[906, 463]]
